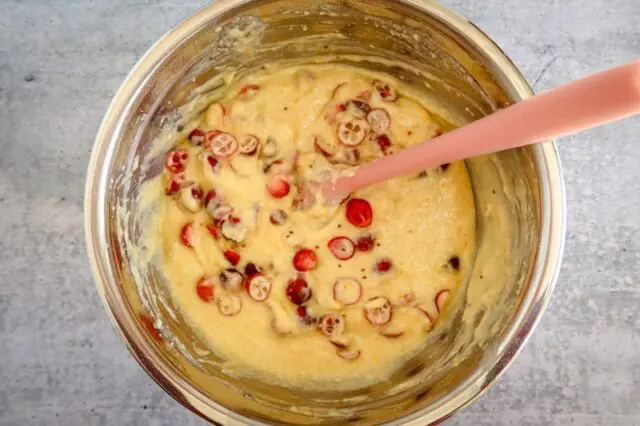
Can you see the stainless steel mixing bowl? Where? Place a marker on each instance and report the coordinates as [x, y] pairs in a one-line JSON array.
[[519, 199]]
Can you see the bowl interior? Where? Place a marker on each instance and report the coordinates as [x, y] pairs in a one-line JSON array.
[[417, 42]]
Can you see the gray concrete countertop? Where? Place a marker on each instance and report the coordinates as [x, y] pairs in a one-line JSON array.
[[61, 363]]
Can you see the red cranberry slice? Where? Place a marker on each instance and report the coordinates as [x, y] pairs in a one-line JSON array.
[[186, 235], [379, 120], [249, 145], [378, 311], [298, 291], [221, 212], [353, 132], [148, 324], [323, 147], [205, 289], [176, 160], [197, 137], [232, 256], [232, 229], [359, 212], [211, 160], [175, 183], [249, 90], [191, 197], [358, 108], [229, 304], [223, 145], [331, 325], [392, 331], [251, 269], [383, 265], [348, 354], [258, 287], [386, 92], [441, 299], [278, 186], [305, 260], [213, 231], [383, 142], [347, 290], [341, 247], [365, 243], [211, 195], [278, 217], [429, 318]]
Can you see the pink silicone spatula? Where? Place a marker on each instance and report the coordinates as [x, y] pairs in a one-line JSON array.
[[589, 102]]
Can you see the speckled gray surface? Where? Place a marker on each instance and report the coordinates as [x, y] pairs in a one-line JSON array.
[[61, 363]]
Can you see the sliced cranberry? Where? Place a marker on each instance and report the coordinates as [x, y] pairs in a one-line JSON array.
[[249, 90], [305, 260], [197, 137], [348, 354], [213, 231], [365, 243], [359, 212], [358, 108], [251, 269], [441, 299], [378, 311], [301, 311], [232, 229], [221, 212], [211, 195], [229, 304], [379, 120], [298, 291], [223, 145], [353, 132], [429, 318], [249, 145], [175, 183], [341, 247], [340, 341], [383, 265], [148, 324], [232, 256], [176, 160], [323, 147], [258, 287], [331, 325], [386, 92], [205, 289], [191, 197], [347, 291], [392, 331], [278, 217], [232, 279], [278, 186], [383, 142], [186, 234]]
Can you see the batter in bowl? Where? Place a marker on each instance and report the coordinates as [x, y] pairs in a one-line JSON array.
[[281, 286]]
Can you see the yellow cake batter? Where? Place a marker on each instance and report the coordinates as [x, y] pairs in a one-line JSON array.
[[280, 286]]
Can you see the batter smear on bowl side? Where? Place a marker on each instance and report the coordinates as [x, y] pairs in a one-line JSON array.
[[276, 283]]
